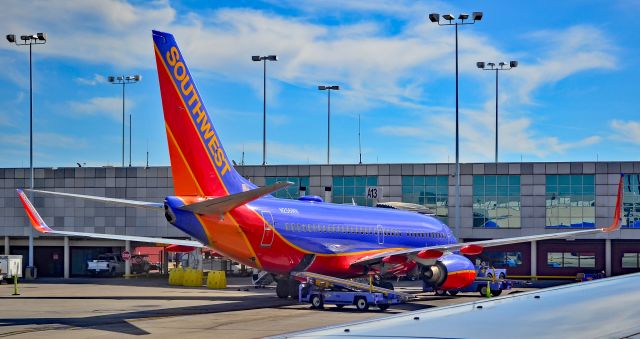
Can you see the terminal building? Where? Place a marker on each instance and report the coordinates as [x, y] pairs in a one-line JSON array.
[[497, 200]]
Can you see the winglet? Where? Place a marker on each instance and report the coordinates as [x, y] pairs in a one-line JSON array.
[[616, 215], [32, 214]]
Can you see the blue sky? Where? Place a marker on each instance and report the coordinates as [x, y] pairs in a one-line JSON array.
[[574, 96]]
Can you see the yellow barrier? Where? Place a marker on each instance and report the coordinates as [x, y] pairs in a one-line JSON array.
[[216, 279], [192, 277], [176, 276]]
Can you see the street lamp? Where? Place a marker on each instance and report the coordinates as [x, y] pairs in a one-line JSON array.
[[264, 101], [451, 21], [490, 66], [328, 89], [30, 40], [123, 80]]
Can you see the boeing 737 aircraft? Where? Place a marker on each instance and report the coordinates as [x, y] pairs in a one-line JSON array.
[[220, 209]]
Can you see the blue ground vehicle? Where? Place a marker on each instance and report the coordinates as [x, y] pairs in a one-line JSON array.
[[319, 290]]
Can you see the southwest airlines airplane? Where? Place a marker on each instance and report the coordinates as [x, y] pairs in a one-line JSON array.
[[220, 209]]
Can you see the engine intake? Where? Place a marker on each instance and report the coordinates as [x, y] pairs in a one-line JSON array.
[[452, 271], [168, 214]]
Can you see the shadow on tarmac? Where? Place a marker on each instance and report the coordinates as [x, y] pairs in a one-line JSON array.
[[120, 322]]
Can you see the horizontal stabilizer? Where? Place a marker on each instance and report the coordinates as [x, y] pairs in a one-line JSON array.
[[225, 204], [38, 223], [116, 201]]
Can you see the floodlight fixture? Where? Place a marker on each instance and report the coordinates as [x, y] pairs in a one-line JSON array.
[[462, 20], [30, 40], [124, 80], [328, 89], [264, 60], [492, 67]]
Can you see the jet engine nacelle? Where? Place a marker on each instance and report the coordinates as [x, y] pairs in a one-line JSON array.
[[450, 272]]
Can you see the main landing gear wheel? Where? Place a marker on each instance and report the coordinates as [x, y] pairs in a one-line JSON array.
[[282, 289], [496, 293], [361, 304], [294, 289], [383, 307], [453, 292], [440, 292], [317, 302]]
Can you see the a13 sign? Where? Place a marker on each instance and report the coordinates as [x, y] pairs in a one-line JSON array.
[[374, 193]]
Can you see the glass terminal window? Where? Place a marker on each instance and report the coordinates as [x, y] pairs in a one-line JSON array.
[[631, 201], [630, 260], [571, 259], [570, 201], [431, 191], [496, 201], [346, 188], [290, 192]]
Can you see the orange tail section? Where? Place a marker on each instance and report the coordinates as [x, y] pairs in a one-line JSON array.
[[199, 164]]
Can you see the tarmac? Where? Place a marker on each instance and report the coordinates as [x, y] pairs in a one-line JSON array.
[[117, 307]]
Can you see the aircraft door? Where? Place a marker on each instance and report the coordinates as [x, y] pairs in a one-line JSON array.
[[380, 231], [268, 233]]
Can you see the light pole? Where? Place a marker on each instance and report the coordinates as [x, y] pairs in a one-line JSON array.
[[264, 101], [123, 80], [435, 17], [490, 66], [30, 40], [328, 89]]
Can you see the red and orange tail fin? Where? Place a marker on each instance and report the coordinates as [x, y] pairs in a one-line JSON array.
[[199, 164]]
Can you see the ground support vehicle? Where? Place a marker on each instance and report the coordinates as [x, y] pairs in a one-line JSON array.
[[108, 264], [10, 265], [319, 290]]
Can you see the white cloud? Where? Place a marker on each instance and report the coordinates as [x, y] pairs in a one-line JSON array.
[[95, 80], [477, 137], [278, 153], [372, 64], [44, 140], [563, 53], [627, 131], [110, 107], [401, 131]]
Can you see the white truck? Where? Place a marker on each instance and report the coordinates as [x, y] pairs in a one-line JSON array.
[[106, 264], [10, 265]]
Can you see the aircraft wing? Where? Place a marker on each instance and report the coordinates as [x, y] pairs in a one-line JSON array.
[[126, 202], [603, 308], [41, 226], [476, 246]]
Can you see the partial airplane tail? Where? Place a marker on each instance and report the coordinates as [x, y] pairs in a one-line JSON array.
[[199, 164]]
